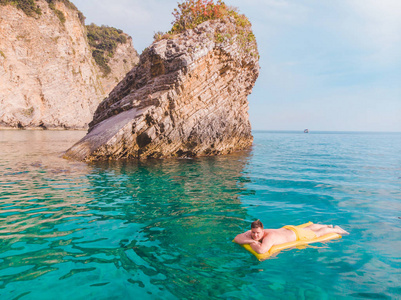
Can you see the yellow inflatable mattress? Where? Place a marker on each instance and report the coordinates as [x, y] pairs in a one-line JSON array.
[[278, 248]]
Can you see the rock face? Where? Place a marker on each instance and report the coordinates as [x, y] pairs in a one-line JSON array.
[[48, 77], [186, 97], [123, 60]]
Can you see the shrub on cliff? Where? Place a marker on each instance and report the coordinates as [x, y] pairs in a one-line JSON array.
[[191, 13], [103, 41], [29, 7], [68, 4]]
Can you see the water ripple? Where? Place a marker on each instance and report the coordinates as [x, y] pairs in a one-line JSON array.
[[163, 229]]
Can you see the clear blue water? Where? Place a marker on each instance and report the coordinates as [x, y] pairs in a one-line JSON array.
[[163, 229]]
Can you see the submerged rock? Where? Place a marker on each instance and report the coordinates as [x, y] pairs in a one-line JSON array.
[[187, 97]]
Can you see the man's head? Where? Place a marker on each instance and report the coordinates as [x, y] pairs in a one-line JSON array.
[[257, 232], [256, 224]]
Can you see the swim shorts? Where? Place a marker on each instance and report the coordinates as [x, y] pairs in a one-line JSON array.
[[301, 233]]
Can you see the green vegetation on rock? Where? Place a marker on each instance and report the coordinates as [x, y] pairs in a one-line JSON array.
[[68, 4], [58, 13], [191, 13], [31, 9], [103, 41]]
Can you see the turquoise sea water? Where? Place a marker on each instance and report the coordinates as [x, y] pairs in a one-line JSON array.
[[162, 229]]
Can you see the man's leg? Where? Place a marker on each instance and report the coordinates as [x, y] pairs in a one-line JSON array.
[[324, 229], [315, 227]]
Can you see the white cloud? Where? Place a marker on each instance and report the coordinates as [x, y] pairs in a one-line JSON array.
[[375, 26]]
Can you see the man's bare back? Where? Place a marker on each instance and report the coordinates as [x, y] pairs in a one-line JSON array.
[[261, 240]]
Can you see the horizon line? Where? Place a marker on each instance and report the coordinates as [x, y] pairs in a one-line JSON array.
[[322, 131]]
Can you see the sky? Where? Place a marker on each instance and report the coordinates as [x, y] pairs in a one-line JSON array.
[[325, 65]]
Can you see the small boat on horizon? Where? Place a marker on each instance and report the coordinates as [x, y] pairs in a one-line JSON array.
[[306, 130]]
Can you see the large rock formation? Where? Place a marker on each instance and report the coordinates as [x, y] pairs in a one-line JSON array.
[[186, 97], [48, 77]]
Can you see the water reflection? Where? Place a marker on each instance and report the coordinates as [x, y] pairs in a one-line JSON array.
[[187, 212], [152, 229], [163, 229]]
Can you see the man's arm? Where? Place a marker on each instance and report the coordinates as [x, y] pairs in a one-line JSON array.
[[265, 246], [244, 238]]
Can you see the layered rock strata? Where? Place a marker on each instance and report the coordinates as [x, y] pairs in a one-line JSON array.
[[48, 77], [186, 97]]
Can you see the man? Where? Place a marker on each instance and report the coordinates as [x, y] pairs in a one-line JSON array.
[[261, 240]]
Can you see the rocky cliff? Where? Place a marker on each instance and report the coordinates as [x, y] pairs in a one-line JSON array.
[[186, 97], [123, 60], [48, 77]]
